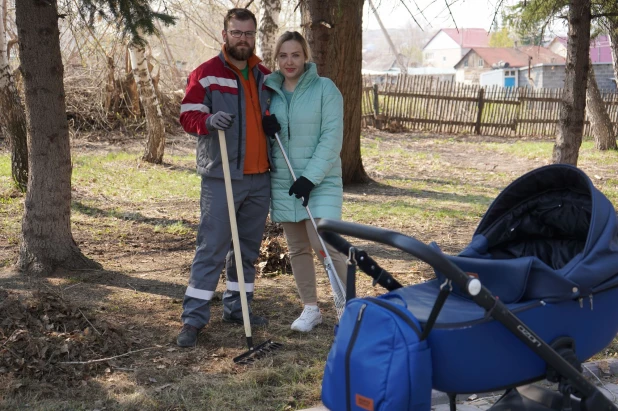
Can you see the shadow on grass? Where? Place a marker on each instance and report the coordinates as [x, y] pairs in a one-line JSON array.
[[378, 188], [177, 167], [78, 206]]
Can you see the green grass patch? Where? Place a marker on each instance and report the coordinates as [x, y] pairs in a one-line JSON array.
[[175, 228], [521, 148], [125, 177]]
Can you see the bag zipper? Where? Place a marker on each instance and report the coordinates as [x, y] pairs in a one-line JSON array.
[[348, 354]]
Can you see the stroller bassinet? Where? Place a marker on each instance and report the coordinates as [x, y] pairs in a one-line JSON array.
[[546, 255]]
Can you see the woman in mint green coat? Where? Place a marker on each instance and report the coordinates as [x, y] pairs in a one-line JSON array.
[[307, 110]]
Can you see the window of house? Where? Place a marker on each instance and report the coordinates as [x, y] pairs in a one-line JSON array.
[[466, 63], [481, 63]]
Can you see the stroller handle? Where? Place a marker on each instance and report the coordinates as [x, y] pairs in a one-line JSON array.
[[330, 228]]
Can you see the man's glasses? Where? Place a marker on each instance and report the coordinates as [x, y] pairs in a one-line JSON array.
[[238, 34]]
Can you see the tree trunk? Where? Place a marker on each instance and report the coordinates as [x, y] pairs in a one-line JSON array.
[[573, 108], [46, 240], [602, 127], [154, 119], [612, 24], [333, 29], [12, 115], [267, 31]]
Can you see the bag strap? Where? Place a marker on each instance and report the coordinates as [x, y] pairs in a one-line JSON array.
[[350, 286], [445, 289]]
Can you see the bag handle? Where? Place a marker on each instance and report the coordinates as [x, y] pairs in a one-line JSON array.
[[389, 296]]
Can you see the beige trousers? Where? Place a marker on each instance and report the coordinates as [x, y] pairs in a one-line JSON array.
[[302, 238]]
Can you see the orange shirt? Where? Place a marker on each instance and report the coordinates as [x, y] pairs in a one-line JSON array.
[[256, 155]]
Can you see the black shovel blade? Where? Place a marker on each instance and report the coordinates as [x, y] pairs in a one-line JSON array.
[[257, 352]]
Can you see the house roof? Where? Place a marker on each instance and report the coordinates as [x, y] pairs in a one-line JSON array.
[[466, 38], [515, 56], [600, 48]]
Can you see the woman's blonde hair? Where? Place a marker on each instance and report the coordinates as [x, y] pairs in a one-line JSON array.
[[296, 36]]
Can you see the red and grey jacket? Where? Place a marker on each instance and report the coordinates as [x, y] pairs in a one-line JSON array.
[[214, 86]]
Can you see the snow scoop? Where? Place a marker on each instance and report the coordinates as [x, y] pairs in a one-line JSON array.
[[336, 286], [255, 351]]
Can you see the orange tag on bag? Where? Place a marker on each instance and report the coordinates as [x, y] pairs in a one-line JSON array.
[[473, 275], [364, 402]]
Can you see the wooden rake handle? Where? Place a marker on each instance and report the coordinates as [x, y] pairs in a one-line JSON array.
[[235, 240]]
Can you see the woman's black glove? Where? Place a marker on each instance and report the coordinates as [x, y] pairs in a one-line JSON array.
[[301, 188], [270, 125]]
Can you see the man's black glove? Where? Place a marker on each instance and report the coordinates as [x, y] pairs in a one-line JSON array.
[[270, 125], [301, 188]]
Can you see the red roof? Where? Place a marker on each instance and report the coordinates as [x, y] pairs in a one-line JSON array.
[[516, 57], [600, 48], [468, 38]]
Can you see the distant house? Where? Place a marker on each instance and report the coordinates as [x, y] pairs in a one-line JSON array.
[[600, 55], [382, 68], [553, 75], [600, 48], [501, 63], [447, 46]]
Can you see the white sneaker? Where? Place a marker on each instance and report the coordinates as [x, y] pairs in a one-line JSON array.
[[309, 318]]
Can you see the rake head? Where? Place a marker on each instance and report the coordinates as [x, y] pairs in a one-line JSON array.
[[257, 352]]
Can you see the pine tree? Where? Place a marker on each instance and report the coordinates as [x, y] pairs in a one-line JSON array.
[[46, 239]]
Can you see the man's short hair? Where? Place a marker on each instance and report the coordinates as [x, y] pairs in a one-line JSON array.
[[238, 14]]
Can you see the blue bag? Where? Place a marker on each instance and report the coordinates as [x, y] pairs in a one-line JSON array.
[[377, 361]]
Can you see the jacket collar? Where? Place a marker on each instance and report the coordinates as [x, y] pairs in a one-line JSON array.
[[275, 80]]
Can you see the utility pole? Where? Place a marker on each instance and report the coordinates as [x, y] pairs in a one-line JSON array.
[[399, 60]]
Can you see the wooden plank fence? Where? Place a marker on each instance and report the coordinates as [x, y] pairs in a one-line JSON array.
[[425, 104]]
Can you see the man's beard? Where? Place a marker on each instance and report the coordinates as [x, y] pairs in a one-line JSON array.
[[237, 53]]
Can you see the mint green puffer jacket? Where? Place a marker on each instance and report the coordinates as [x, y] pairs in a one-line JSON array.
[[312, 135]]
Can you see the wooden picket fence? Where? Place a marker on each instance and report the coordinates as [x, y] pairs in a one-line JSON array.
[[422, 103]]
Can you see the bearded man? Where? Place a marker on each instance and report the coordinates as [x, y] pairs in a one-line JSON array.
[[227, 93]]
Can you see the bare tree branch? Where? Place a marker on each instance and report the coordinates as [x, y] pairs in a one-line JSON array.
[[412, 15], [94, 37], [297, 4], [448, 6], [498, 7], [189, 17], [596, 16]]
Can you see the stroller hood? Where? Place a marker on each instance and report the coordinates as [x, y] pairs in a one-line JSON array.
[[556, 217]]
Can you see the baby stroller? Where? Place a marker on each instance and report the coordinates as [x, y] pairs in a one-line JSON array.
[[531, 297]]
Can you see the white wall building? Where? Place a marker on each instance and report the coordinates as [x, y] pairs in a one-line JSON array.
[[448, 46]]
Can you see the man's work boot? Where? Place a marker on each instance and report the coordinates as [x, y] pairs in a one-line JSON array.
[[187, 336], [253, 319]]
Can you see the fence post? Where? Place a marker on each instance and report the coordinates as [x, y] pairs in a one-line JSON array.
[[480, 104], [376, 107]]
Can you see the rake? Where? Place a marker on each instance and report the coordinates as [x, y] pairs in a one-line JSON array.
[[335, 283], [255, 351]]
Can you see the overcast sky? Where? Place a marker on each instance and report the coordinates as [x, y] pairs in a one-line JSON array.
[[435, 14]]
